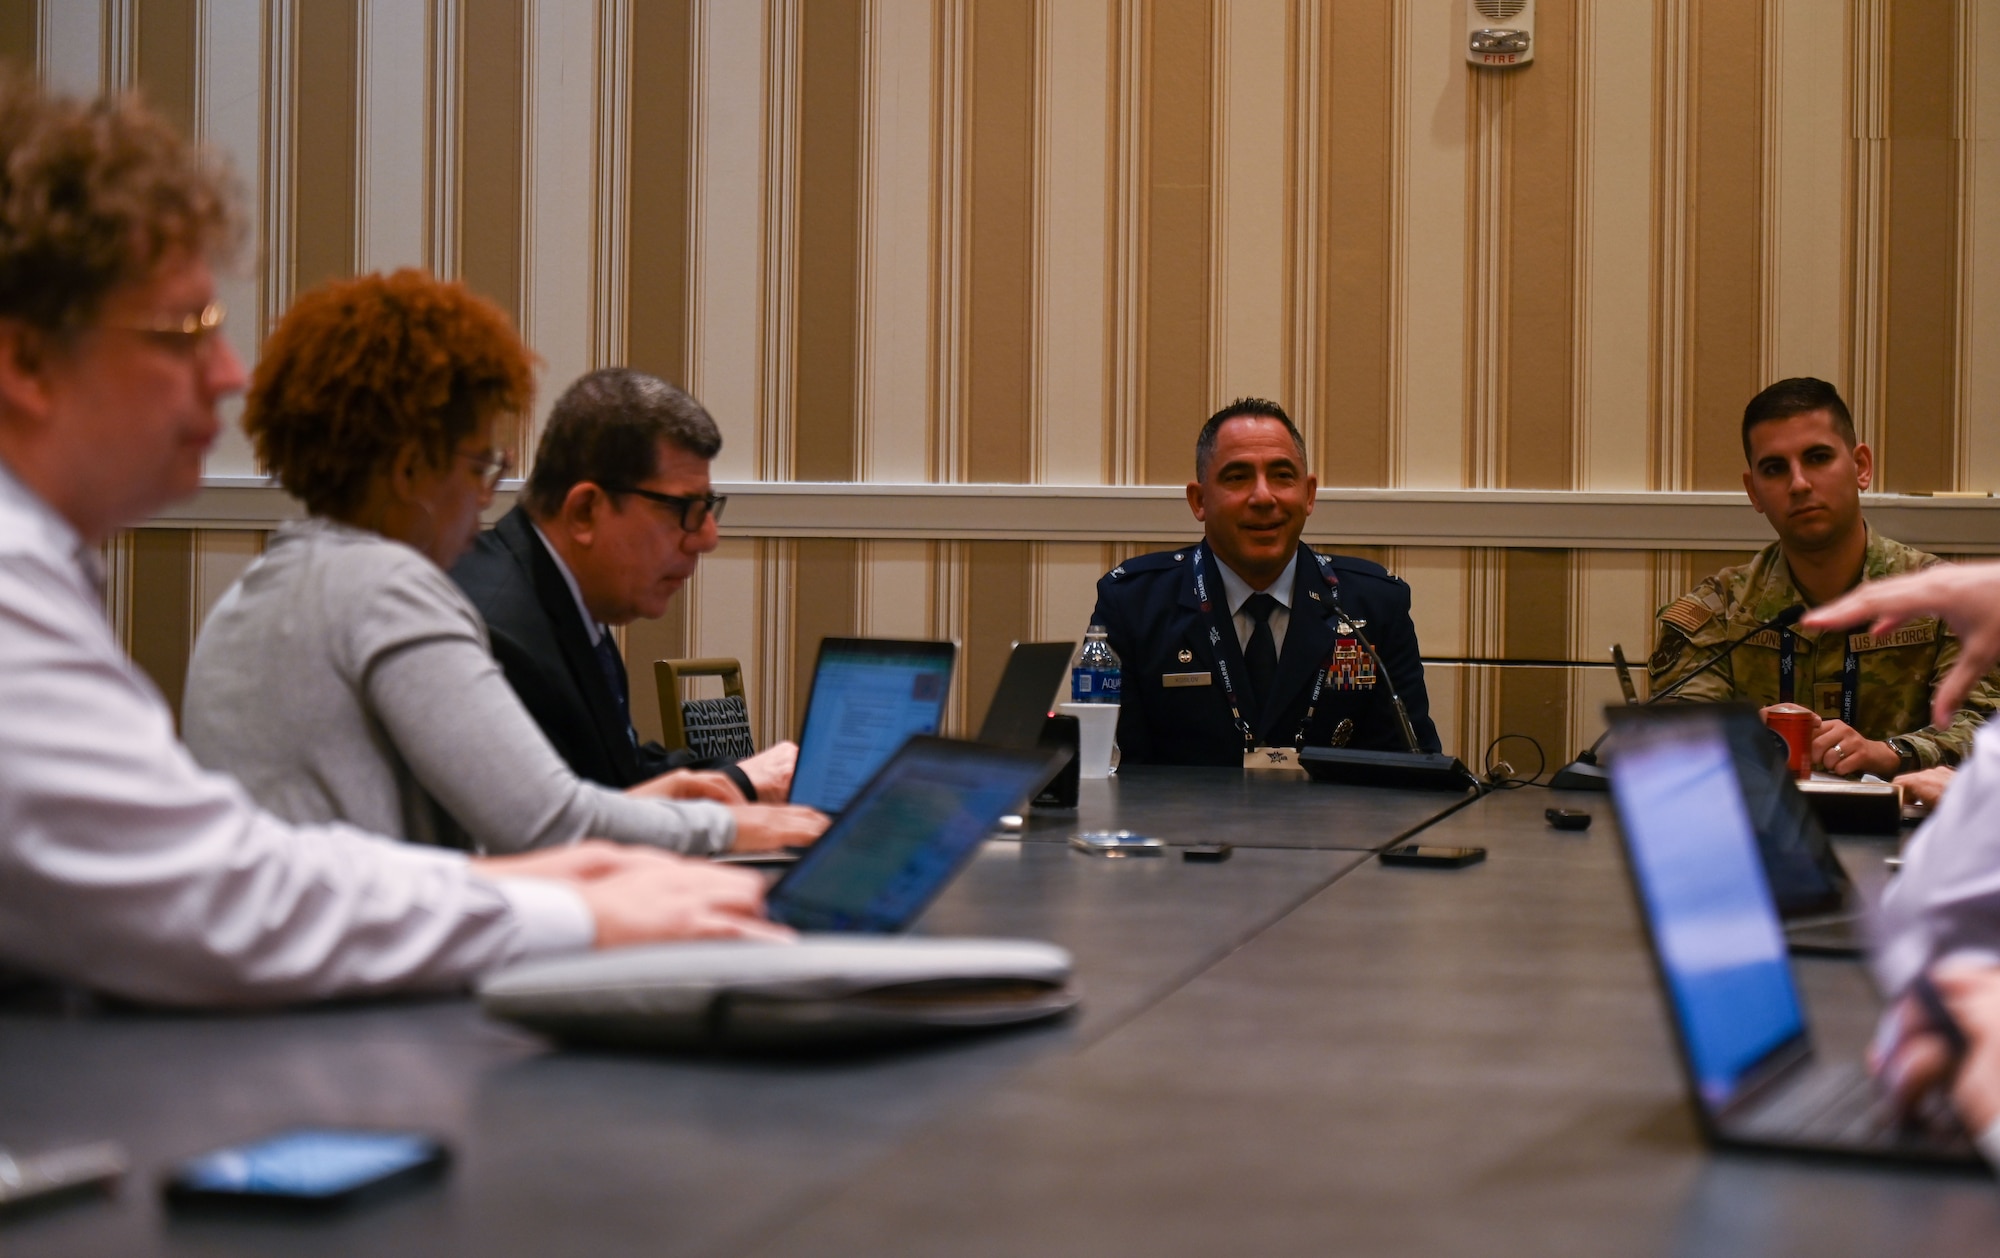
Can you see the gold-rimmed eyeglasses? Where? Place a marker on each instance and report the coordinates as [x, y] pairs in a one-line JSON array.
[[190, 331], [493, 466]]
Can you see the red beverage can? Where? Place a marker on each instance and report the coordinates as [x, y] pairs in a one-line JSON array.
[[1795, 725]]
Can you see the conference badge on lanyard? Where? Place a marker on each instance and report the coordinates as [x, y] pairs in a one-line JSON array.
[[1280, 761]]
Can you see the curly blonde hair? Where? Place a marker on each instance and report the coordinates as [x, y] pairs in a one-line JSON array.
[[93, 195], [358, 369]]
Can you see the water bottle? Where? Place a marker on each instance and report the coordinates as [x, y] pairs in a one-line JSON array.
[[1096, 677]]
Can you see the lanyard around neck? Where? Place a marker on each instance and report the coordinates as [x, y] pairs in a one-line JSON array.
[[1850, 673], [1220, 619]]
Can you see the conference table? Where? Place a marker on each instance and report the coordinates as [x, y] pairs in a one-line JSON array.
[[1298, 1050]]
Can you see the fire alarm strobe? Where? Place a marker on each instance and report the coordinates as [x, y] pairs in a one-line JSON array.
[[1499, 32]]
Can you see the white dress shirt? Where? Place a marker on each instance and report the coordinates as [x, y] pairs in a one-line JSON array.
[[1238, 592], [590, 625], [1946, 901], [1945, 904], [126, 867]]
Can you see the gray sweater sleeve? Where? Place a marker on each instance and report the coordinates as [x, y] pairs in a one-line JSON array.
[[442, 699]]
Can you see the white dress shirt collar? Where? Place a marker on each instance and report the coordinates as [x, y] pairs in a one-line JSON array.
[[46, 531], [590, 625], [1238, 591]]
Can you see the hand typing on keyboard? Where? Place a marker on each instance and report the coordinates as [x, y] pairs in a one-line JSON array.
[[1919, 1058]]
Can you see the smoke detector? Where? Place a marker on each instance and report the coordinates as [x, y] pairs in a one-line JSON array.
[[1499, 32]]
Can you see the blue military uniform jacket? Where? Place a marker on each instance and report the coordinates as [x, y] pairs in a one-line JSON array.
[[1175, 710]]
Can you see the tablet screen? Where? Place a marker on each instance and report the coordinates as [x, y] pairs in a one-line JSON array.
[[903, 837]]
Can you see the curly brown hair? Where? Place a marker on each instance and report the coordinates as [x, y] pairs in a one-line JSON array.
[[358, 369], [93, 194]]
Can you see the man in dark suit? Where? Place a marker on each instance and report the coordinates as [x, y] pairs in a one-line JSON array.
[[614, 518], [1250, 639]]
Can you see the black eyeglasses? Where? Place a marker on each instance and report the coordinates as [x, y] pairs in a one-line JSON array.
[[696, 510]]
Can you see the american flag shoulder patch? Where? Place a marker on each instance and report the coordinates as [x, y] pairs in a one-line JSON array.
[[1687, 614]]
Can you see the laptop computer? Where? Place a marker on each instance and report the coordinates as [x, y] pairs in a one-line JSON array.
[[1719, 951], [906, 834], [1819, 904], [868, 696], [1027, 690]]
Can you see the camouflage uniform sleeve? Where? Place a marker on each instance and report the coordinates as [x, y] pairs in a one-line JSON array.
[[1953, 743], [1689, 631]]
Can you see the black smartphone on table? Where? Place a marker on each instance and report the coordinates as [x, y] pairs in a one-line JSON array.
[[307, 1169], [1433, 857]]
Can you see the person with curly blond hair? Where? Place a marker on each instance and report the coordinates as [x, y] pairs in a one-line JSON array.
[[126, 867], [344, 676]]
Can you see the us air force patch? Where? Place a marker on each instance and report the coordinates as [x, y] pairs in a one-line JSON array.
[[1671, 647]]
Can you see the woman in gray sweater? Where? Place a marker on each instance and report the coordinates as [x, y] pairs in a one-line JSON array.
[[345, 677]]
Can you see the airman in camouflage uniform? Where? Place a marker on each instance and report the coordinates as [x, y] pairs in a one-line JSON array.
[[1871, 695], [1897, 670]]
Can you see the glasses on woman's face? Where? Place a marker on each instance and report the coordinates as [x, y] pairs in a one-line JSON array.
[[493, 466], [694, 510]]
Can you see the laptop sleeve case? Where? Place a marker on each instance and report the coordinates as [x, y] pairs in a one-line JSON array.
[[825, 991]]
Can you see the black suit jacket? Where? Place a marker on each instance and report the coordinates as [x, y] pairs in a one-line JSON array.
[[542, 645], [1174, 710]]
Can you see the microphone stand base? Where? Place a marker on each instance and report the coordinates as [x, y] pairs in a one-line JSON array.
[[1411, 770], [1580, 775]]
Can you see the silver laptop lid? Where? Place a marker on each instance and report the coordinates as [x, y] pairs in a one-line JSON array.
[[1708, 911]]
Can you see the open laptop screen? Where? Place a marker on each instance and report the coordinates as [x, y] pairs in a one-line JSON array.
[[868, 698], [1715, 930], [1027, 691], [906, 834], [1804, 874]]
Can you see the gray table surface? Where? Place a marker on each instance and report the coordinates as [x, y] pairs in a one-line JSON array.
[[1295, 1051], [1432, 1062], [1186, 805], [563, 1152]]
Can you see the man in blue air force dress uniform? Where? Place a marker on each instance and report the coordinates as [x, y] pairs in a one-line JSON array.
[[1250, 639]]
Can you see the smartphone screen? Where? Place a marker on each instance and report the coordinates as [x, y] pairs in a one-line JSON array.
[[307, 1165]]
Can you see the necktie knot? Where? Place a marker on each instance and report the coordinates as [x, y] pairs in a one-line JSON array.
[[1259, 607]]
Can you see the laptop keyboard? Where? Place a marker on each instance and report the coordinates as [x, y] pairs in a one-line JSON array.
[[1841, 1106]]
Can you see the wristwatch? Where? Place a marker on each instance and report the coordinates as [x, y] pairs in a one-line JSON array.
[[1906, 756]]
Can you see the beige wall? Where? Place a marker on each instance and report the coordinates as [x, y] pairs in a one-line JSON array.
[[1037, 241]]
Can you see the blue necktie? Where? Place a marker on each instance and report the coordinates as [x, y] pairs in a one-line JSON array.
[[613, 669], [1260, 656]]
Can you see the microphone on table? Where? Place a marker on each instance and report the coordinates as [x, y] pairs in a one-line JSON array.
[[1411, 767], [1585, 774]]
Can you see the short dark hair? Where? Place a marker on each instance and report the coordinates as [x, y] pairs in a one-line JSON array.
[[1204, 445], [1798, 395], [607, 429]]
